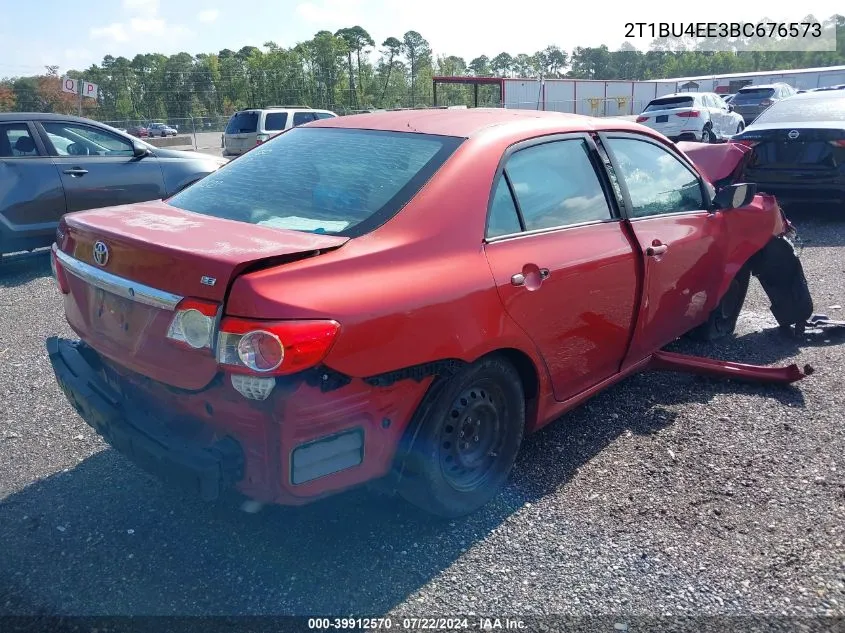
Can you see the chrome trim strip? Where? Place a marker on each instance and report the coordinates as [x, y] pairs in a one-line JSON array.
[[119, 286]]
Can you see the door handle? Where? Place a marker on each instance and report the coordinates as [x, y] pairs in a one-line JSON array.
[[656, 249], [519, 278], [75, 171]]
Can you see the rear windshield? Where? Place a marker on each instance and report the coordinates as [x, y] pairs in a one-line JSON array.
[[274, 121], [669, 103], [325, 180], [753, 94], [831, 107], [242, 123]]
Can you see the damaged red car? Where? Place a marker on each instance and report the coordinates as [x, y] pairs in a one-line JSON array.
[[400, 297]]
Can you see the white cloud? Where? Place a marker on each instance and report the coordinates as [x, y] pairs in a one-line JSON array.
[[114, 31], [144, 20], [209, 15]]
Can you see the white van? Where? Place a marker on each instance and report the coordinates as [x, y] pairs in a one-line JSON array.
[[249, 128]]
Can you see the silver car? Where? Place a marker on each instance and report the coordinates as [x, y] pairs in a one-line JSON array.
[[52, 164]]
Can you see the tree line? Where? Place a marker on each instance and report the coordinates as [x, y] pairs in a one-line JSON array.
[[347, 71]]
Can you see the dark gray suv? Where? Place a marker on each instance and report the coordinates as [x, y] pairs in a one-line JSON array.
[[751, 101], [52, 164]]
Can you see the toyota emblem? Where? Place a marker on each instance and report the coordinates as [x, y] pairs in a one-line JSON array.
[[793, 134], [101, 253]]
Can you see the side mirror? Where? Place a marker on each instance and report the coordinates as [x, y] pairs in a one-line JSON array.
[[139, 151], [730, 107], [735, 196]]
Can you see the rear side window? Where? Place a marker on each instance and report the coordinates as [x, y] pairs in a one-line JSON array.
[[324, 180], [793, 110], [504, 218], [669, 103], [16, 141], [749, 95], [555, 184], [324, 115], [275, 121], [243, 123]]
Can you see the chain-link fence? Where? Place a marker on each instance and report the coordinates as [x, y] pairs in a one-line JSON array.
[[202, 132]]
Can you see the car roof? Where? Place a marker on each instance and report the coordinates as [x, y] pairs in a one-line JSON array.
[[757, 87], [819, 94], [43, 116], [471, 122], [682, 94]]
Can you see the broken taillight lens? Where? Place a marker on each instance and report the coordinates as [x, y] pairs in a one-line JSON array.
[[193, 323]]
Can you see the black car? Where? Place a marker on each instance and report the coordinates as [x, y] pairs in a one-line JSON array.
[[798, 148], [52, 164]]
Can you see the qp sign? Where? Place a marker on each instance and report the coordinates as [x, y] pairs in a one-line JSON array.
[[89, 90], [69, 85]]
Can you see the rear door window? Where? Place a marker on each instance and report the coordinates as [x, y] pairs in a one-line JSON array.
[[275, 121], [243, 123], [324, 115], [556, 185], [16, 141], [302, 117], [323, 180]]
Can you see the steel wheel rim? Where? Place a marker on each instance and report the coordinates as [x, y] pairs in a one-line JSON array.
[[471, 438]]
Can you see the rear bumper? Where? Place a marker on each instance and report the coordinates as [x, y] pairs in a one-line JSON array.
[[205, 471], [821, 193], [309, 439]]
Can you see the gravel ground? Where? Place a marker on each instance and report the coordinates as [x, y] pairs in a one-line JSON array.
[[668, 494]]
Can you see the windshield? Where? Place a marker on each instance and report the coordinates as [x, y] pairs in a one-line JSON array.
[[753, 95], [795, 109], [324, 180], [242, 123], [669, 103]]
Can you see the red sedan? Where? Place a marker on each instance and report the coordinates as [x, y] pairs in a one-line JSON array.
[[398, 296]]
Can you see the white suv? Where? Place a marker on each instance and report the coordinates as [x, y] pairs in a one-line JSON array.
[[249, 128], [692, 116]]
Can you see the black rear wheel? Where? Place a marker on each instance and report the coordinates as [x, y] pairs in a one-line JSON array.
[[466, 440]]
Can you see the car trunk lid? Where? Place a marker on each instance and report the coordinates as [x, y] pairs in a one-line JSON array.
[[814, 150], [121, 303]]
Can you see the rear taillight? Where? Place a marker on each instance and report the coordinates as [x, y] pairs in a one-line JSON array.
[[745, 142], [193, 323], [262, 138], [838, 143], [766, 102], [690, 114], [273, 348], [59, 271], [642, 119]]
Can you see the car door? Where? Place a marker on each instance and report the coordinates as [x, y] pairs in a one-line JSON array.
[[31, 196], [99, 168], [681, 241], [564, 268]]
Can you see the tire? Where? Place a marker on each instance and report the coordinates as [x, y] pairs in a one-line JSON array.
[[722, 320], [781, 274], [707, 135], [466, 440]]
